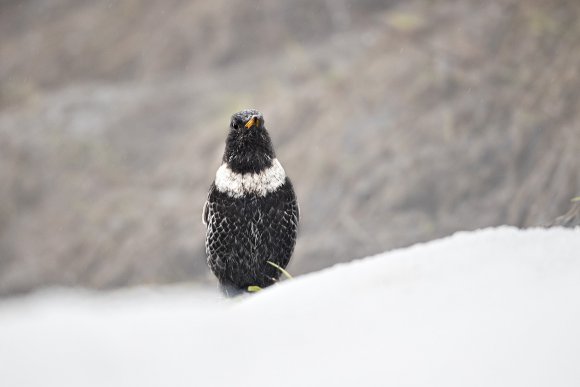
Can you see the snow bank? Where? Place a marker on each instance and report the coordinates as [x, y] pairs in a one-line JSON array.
[[497, 307]]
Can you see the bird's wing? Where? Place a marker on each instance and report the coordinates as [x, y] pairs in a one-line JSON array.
[[298, 206], [204, 213]]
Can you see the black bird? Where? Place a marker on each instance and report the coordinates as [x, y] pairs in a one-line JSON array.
[[251, 212]]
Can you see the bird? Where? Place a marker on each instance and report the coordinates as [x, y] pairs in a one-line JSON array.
[[251, 213]]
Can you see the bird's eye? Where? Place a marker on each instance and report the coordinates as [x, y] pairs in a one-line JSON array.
[[235, 125]]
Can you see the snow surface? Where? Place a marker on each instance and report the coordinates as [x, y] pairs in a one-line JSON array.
[[497, 307]]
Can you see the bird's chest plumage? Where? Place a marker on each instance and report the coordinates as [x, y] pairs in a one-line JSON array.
[[246, 230]]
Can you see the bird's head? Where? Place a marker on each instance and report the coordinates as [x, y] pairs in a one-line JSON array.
[[247, 119], [248, 146]]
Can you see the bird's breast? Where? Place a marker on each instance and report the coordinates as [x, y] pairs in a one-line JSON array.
[[239, 184]]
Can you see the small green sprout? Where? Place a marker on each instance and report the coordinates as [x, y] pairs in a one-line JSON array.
[[254, 288], [286, 274]]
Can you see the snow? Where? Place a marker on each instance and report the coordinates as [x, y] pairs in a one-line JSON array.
[[495, 307]]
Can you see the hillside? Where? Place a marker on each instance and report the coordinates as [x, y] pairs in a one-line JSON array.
[[398, 121]]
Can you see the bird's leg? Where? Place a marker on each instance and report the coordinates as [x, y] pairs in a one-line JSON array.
[[230, 291]]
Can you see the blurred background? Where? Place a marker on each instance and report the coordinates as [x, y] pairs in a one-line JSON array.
[[398, 121]]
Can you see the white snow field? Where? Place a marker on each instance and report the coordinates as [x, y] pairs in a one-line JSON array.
[[496, 307]]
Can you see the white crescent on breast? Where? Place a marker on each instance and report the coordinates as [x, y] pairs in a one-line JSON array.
[[261, 183]]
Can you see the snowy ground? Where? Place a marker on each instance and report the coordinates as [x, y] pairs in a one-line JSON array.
[[498, 307]]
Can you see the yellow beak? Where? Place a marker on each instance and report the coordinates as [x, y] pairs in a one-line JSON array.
[[251, 122]]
